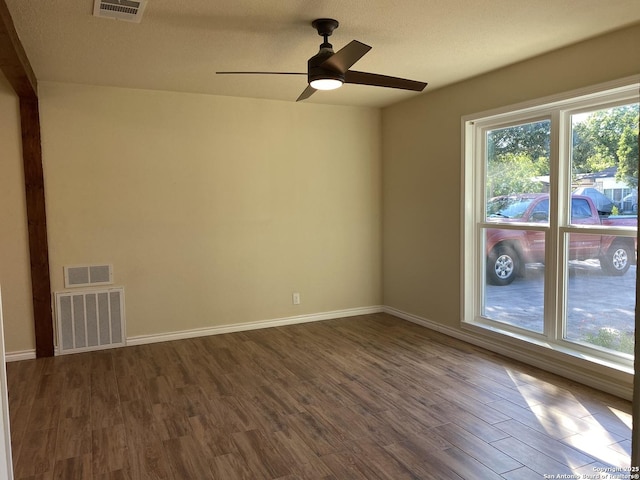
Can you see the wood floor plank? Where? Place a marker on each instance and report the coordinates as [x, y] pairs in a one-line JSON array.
[[132, 387], [215, 439], [531, 457], [236, 413], [316, 469], [344, 421], [231, 466], [44, 414], [18, 421], [417, 422], [522, 473], [477, 377], [73, 468], [116, 475], [616, 423], [185, 459], [347, 465], [146, 458], [547, 445], [467, 466], [370, 397], [51, 385], [464, 404], [105, 402], [382, 462], [36, 453], [318, 435], [476, 426], [24, 380], [74, 438], [541, 422], [456, 385], [109, 449], [320, 393], [593, 446], [430, 464], [260, 454], [293, 446], [76, 402], [170, 420], [477, 448]]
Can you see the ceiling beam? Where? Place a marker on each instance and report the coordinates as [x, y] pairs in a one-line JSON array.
[[16, 67], [13, 59]]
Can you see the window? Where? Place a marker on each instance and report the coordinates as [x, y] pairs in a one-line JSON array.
[[550, 223]]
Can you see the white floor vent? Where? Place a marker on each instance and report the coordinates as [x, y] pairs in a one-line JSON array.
[[128, 10], [90, 320]]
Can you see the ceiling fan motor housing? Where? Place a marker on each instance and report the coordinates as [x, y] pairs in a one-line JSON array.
[[316, 71]]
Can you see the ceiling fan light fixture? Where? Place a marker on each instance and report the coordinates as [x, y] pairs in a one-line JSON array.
[[326, 83]]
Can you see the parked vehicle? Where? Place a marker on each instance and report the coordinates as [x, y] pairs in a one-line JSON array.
[[603, 204], [629, 203], [508, 251]]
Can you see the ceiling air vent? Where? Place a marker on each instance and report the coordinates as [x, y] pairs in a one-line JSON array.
[[129, 10]]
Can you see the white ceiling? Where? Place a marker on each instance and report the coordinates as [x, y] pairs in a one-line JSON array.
[[180, 44]]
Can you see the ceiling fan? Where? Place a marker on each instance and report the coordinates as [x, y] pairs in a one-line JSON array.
[[328, 70]]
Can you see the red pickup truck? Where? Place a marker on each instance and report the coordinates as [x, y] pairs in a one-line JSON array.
[[508, 251]]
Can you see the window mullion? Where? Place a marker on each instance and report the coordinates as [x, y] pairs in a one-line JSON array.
[[551, 239], [561, 195]]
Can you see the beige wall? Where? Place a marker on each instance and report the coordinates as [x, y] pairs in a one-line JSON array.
[[213, 210], [15, 276], [422, 166]]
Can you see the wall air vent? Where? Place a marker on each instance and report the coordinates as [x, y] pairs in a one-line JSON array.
[[128, 10], [87, 275], [90, 320]]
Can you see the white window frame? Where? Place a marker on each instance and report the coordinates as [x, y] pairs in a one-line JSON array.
[[558, 109]]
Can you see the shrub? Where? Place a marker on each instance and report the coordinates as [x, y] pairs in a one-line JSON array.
[[612, 339]]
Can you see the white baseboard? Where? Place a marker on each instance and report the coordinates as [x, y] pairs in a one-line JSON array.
[[554, 362], [241, 327], [19, 355]]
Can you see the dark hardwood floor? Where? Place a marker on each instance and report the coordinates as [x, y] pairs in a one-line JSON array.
[[370, 397]]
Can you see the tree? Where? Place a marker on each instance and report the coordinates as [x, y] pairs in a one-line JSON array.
[[515, 156], [533, 139], [596, 139], [513, 173], [628, 155]]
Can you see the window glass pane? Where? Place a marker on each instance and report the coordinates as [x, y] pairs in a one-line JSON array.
[[601, 295], [517, 162], [604, 159], [514, 288]]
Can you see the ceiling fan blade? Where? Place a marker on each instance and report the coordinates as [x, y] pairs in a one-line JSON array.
[[260, 73], [364, 78], [344, 58], [306, 93]]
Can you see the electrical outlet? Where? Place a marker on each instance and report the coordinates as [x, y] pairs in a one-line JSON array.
[[296, 298]]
